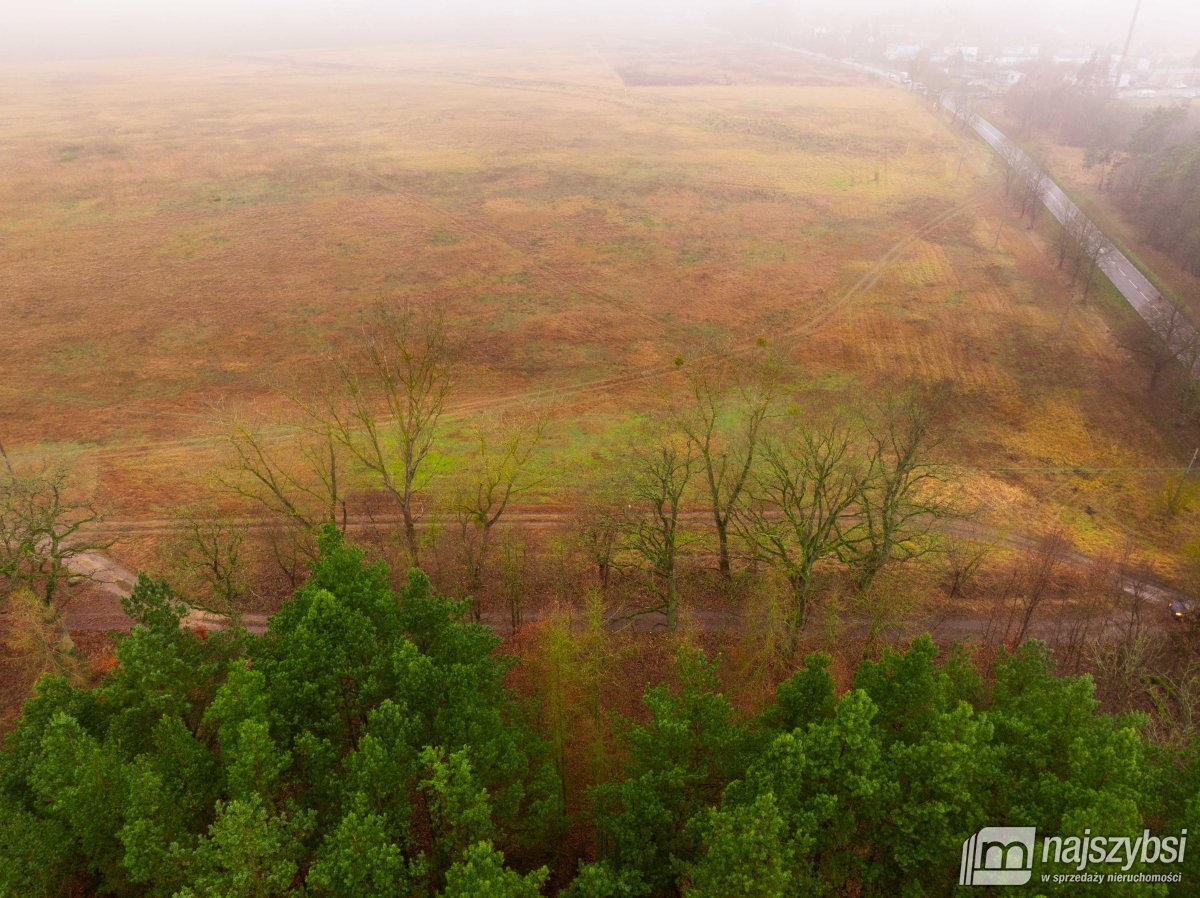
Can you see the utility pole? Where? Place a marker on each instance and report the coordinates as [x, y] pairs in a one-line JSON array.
[[1128, 41]]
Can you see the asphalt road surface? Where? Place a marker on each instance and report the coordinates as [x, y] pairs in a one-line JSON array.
[[1126, 277]]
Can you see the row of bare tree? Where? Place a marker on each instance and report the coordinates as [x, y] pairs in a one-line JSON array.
[[792, 492], [1149, 168], [377, 430], [775, 487], [1167, 339], [1078, 242]]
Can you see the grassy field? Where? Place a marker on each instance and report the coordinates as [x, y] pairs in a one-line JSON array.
[[181, 239]]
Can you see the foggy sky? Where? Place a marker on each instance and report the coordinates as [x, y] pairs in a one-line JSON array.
[[69, 28]]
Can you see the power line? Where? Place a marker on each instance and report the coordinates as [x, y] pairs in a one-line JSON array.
[[1080, 470]]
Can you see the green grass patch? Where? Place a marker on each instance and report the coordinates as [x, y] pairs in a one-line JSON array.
[[73, 357], [443, 237], [760, 253]]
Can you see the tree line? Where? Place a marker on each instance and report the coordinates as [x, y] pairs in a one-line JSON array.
[[368, 745], [1156, 182], [733, 470]]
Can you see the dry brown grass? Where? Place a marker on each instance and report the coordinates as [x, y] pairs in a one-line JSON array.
[[183, 235]]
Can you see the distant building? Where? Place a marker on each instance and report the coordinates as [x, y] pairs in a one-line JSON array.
[[902, 51], [967, 54], [1176, 77], [1015, 56], [1073, 57]]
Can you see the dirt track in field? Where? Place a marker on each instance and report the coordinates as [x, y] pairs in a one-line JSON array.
[[102, 610], [598, 387]]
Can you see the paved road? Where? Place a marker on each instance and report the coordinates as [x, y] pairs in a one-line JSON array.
[[1126, 277]]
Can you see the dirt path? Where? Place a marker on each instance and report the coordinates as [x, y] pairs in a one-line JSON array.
[[111, 582], [102, 611]]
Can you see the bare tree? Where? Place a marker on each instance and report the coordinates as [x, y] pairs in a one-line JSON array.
[[1122, 665], [1102, 152], [38, 638], [600, 518], [798, 504], [209, 562], [660, 473], [296, 481], [1091, 250], [514, 576], [266, 471], [1064, 236], [896, 511], [961, 560], [1176, 700], [1034, 186], [496, 472], [728, 403], [1120, 668], [393, 395], [1171, 339], [1013, 158], [1086, 619], [1179, 489], [963, 106], [1040, 566], [44, 532]]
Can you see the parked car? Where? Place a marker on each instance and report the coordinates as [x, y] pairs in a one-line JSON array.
[[1181, 609]]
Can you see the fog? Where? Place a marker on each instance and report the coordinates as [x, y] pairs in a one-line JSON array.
[[71, 28]]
